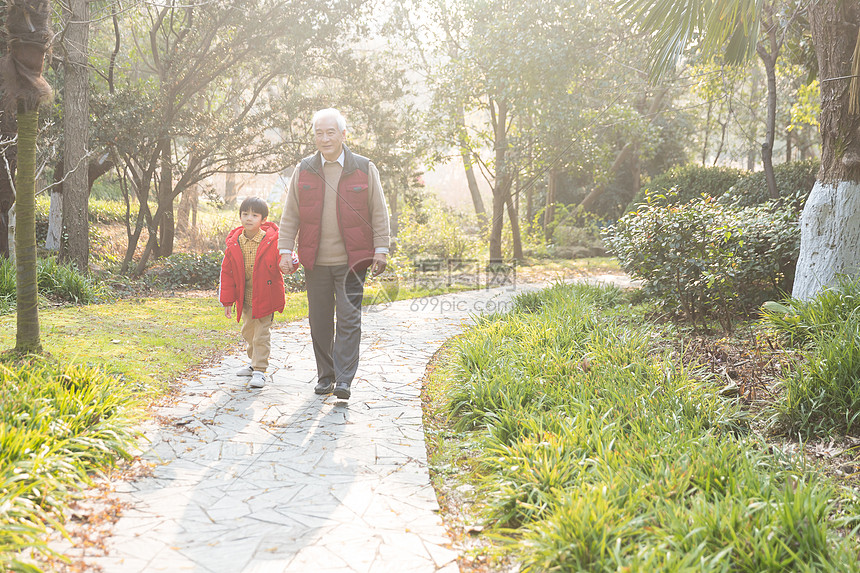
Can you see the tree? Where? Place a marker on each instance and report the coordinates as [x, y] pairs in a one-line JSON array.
[[8, 159], [194, 96], [74, 243], [737, 28], [500, 61], [29, 37], [830, 223]]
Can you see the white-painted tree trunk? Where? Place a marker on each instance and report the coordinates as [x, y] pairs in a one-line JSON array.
[[55, 222], [12, 233], [829, 238]]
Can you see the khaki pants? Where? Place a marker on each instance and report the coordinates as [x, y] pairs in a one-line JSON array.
[[257, 333]]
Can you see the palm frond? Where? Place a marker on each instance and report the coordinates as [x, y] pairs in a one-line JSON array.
[[730, 27]]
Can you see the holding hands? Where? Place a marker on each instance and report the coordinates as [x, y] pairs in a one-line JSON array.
[[289, 263]]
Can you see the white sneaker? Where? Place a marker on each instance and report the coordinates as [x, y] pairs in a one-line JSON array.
[[245, 371], [258, 380]]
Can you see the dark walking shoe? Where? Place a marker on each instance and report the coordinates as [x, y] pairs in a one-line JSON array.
[[324, 387], [342, 391]]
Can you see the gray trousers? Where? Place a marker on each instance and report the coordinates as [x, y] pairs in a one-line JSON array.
[[335, 291]]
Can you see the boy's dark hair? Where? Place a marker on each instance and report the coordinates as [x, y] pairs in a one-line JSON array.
[[255, 205]]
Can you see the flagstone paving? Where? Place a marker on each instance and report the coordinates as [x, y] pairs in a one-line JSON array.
[[281, 480]]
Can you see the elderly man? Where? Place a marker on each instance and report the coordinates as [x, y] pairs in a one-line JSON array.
[[336, 206]]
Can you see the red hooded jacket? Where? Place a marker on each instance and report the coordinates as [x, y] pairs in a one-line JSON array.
[[267, 293]]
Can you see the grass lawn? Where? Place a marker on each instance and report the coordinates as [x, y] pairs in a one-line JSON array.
[[149, 341], [571, 435]]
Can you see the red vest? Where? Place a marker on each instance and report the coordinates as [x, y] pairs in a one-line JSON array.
[[353, 211]]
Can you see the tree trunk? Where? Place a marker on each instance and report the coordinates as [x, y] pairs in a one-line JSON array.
[[753, 152], [707, 134], [501, 184], [515, 227], [55, 222], [8, 162], [164, 213], [830, 223], [75, 243], [186, 205], [496, 228], [27, 335], [230, 188], [770, 129], [549, 211], [466, 154], [530, 206]]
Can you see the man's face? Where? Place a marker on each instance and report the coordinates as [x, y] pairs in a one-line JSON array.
[[328, 139]]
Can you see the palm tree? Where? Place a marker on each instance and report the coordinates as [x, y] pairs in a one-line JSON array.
[[830, 223], [24, 88]]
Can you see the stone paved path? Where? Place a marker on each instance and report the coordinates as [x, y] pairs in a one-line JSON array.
[[281, 480]]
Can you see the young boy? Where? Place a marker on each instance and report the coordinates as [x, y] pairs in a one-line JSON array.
[[251, 279]]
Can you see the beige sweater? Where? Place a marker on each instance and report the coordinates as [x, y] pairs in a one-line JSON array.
[[331, 248]]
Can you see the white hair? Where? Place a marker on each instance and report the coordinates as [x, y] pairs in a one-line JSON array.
[[330, 112]]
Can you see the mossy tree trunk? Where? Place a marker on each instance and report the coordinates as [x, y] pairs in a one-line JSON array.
[[27, 337], [29, 35]]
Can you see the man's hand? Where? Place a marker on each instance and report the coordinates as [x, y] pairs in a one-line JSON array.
[[227, 311], [380, 261], [287, 265]]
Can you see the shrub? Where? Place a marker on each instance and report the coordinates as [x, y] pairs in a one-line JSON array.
[[65, 283], [203, 271], [58, 282], [108, 211], [296, 281], [435, 232], [189, 270], [703, 258], [685, 183], [794, 181]]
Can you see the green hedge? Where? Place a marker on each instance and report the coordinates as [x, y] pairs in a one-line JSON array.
[[706, 259], [687, 182], [680, 185], [794, 181]]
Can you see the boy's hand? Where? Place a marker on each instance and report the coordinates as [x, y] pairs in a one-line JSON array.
[[289, 264], [227, 311]]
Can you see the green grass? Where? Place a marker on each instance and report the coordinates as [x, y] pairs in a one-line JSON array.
[[58, 426], [821, 396], [147, 341], [599, 452]]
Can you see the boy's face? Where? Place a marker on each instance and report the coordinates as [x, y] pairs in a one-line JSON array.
[[252, 222]]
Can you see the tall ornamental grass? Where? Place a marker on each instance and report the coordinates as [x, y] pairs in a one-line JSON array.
[[601, 453], [57, 426], [822, 395]]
